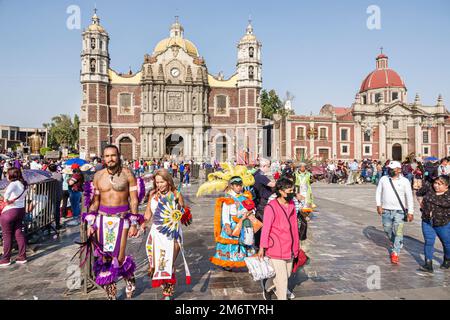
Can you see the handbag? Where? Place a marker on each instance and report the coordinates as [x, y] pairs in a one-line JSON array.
[[256, 223], [300, 260], [3, 203]]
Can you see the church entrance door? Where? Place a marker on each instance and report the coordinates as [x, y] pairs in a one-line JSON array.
[[397, 152], [126, 148], [175, 145], [221, 149]]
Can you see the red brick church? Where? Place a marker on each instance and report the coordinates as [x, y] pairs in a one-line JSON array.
[[172, 106]]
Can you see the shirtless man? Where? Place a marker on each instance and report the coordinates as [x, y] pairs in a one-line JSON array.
[[113, 217]]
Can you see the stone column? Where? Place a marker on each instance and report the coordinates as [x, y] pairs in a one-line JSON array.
[[288, 138], [417, 137], [311, 141], [441, 139], [161, 146], [206, 150], [334, 137], [149, 145], [357, 139]]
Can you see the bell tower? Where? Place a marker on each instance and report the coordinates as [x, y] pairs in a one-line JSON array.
[[249, 84], [94, 116], [95, 54]]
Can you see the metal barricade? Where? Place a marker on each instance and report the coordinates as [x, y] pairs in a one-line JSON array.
[[41, 202]]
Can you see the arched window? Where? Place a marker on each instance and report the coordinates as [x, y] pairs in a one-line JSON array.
[[251, 72], [92, 43], [251, 52], [92, 64]]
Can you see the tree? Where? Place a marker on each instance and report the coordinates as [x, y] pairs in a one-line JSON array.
[[270, 103], [62, 131]]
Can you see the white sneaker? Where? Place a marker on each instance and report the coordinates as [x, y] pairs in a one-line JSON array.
[[290, 295], [5, 264]]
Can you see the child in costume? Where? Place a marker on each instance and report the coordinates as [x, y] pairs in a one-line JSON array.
[[233, 217]]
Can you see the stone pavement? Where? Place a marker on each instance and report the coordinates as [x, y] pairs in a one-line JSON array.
[[345, 242]]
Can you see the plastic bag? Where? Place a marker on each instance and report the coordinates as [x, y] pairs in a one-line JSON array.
[[247, 236], [259, 269]]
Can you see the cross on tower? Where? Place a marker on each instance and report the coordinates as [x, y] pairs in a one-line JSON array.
[[381, 49]]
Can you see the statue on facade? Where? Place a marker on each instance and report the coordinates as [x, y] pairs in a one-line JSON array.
[[35, 142]]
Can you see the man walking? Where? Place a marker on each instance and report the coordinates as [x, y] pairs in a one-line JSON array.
[[353, 176], [113, 217], [392, 191]]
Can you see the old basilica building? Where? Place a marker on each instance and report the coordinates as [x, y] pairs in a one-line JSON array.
[[381, 124], [173, 107]]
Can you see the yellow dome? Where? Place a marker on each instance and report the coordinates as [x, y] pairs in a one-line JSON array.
[[96, 27], [187, 45]]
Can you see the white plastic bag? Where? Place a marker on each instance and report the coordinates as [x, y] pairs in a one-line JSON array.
[[259, 269]]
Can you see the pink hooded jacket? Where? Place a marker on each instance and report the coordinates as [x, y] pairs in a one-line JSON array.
[[280, 231]]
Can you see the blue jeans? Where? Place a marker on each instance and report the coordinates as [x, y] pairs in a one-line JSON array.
[[393, 226], [75, 203], [429, 234]]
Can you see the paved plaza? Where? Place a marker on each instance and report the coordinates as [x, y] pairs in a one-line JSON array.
[[346, 244]]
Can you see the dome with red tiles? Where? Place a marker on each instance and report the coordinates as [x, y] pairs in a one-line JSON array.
[[382, 77]]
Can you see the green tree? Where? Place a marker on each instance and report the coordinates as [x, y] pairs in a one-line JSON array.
[[270, 103], [62, 131]]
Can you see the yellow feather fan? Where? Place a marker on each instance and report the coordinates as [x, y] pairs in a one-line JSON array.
[[218, 181]]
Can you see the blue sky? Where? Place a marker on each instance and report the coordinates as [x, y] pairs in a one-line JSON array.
[[319, 50]]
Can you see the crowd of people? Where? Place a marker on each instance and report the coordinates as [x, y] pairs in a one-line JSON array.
[[263, 212], [371, 171]]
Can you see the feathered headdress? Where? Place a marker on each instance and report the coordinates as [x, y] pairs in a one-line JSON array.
[[218, 181]]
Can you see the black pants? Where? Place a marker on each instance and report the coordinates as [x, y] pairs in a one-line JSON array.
[[260, 216], [65, 197], [57, 209]]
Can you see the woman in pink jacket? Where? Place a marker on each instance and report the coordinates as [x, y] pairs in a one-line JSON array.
[[279, 238]]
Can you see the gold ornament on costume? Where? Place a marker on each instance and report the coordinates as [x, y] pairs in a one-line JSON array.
[[218, 181]]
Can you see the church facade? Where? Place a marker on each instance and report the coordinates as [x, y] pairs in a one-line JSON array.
[[381, 124], [171, 107]]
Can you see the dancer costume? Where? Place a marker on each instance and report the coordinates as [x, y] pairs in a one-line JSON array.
[[303, 183], [110, 223], [230, 253], [168, 215]]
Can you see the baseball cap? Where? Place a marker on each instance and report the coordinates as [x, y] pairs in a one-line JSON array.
[[395, 164]]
